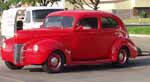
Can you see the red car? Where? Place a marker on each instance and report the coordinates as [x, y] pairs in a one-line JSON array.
[[70, 38]]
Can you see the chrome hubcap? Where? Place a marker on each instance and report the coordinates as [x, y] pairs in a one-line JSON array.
[[122, 57], [54, 61]]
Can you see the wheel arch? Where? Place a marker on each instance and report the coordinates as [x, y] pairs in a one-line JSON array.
[[123, 43], [59, 52], [45, 48], [56, 46], [66, 55]]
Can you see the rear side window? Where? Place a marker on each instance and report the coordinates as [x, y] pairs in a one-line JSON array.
[[89, 23], [109, 23]]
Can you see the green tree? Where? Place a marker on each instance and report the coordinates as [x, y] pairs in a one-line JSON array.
[[5, 4], [76, 3], [92, 4]]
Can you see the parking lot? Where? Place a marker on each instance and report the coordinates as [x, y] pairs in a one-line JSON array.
[[137, 71]]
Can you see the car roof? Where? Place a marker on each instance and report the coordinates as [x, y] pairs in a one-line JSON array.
[[79, 13]]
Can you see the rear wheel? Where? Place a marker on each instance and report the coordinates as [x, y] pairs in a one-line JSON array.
[[55, 63], [12, 66], [123, 57]]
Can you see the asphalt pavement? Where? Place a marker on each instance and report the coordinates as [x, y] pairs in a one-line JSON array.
[[142, 42], [136, 71]]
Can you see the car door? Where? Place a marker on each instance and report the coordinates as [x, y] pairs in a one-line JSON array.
[[110, 29], [86, 40]]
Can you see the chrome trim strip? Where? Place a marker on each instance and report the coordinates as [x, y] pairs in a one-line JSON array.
[[18, 53]]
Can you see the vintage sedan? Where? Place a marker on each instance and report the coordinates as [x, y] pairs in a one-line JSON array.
[[69, 38]]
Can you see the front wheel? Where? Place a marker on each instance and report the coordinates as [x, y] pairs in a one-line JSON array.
[[12, 66], [55, 63], [123, 58]]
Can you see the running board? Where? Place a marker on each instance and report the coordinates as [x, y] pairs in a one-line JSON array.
[[92, 62]]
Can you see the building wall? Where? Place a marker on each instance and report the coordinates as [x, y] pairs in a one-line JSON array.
[[68, 5], [142, 3], [124, 9], [124, 14], [130, 8], [123, 5], [127, 4], [107, 6]]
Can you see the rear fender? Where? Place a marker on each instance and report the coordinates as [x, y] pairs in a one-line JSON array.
[[122, 42]]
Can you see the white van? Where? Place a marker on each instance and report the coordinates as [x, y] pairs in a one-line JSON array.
[[23, 18]]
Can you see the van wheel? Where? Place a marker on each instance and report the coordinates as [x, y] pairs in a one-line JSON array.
[[12, 66], [55, 63], [123, 58]]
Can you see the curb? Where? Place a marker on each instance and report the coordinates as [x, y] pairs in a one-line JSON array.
[[139, 35]]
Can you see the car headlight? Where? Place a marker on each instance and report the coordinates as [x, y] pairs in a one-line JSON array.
[[35, 48], [3, 45]]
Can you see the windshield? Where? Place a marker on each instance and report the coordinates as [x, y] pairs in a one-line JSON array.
[[39, 15], [59, 21]]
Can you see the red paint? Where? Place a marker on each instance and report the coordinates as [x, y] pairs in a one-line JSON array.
[[80, 46]]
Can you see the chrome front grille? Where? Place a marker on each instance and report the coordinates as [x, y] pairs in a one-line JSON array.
[[18, 53]]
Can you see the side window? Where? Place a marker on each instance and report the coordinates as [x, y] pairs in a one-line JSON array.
[[67, 21], [109, 23], [28, 16], [89, 23]]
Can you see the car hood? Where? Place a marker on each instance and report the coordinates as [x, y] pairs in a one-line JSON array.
[[41, 33]]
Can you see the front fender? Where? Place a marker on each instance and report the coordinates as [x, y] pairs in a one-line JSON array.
[[45, 48], [123, 42], [7, 52]]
